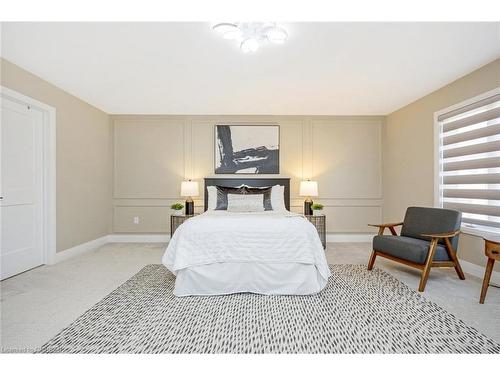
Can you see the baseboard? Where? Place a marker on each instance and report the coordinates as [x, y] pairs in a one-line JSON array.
[[352, 237], [138, 238], [80, 249], [98, 242], [478, 271]]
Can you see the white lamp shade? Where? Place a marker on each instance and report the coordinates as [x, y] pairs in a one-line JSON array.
[[189, 189], [308, 189]]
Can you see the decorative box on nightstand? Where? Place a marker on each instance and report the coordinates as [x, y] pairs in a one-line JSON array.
[[319, 221], [176, 220]]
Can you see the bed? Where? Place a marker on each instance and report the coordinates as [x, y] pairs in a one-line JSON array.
[[273, 252]]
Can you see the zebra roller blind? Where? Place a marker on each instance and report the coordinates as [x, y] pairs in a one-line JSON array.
[[469, 162]]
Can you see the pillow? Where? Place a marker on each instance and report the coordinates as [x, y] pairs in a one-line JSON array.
[[212, 197], [245, 202], [266, 191], [278, 198], [223, 191]]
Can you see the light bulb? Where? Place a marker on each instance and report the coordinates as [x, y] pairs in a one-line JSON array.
[[276, 35], [249, 45]]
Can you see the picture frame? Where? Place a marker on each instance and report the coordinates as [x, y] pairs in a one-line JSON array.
[[246, 148]]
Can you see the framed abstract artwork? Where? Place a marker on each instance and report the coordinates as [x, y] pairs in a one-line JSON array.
[[247, 149]]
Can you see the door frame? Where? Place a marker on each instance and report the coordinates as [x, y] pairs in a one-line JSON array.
[[48, 170]]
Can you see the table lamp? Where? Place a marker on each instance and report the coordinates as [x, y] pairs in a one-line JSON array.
[[189, 189], [308, 189]]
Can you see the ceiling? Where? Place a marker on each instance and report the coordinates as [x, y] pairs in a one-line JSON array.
[[185, 68]]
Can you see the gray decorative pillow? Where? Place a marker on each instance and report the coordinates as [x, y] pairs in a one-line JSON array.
[[223, 191], [261, 190]]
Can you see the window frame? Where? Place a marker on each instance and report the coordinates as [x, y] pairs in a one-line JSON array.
[[438, 164]]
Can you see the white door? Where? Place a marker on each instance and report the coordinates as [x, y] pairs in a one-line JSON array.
[[21, 161]]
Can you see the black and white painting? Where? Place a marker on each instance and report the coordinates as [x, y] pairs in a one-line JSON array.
[[248, 149]]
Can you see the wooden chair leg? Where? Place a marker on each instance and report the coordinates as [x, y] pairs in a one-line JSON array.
[[486, 280], [428, 265], [371, 262], [458, 268], [453, 255]]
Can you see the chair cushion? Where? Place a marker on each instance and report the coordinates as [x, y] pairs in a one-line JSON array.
[[428, 220], [408, 248]]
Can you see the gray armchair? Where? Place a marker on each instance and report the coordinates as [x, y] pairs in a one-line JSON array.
[[429, 238]]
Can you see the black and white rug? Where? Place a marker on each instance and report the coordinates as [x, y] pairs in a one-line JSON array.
[[358, 312]]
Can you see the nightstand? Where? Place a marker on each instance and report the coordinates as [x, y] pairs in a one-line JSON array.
[[319, 222], [176, 220]]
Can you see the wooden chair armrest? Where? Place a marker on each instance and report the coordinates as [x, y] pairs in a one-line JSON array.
[[385, 225], [382, 227], [442, 235]]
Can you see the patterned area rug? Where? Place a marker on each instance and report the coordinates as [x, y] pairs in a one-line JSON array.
[[358, 312]]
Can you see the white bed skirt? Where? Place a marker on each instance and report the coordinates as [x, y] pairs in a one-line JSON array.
[[261, 278]]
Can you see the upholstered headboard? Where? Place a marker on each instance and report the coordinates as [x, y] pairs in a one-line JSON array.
[[257, 182]]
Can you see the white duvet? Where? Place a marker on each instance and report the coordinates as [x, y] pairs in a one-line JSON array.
[[263, 237]]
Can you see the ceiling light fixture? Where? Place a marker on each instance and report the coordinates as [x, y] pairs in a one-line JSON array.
[[252, 35]]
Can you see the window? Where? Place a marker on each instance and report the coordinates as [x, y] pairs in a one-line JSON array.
[[468, 165]]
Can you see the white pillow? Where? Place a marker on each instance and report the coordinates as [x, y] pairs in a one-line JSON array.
[[212, 197], [245, 202], [278, 198]]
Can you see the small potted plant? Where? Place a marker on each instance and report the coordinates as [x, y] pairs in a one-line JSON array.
[[177, 207], [317, 208]]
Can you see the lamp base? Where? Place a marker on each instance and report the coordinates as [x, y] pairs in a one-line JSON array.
[[307, 207], [190, 207]]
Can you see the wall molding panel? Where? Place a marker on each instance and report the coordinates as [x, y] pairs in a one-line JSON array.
[[153, 154]]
